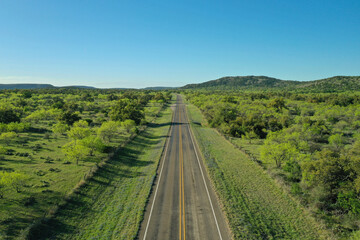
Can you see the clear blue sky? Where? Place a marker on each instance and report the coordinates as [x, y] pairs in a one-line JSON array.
[[127, 43]]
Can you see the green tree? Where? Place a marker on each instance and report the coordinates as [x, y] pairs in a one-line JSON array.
[[58, 103], [107, 130], [81, 123], [277, 152], [159, 97], [69, 117], [17, 127], [4, 183], [60, 128], [17, 181], [93, 143], [249, 136], [75, 151], [26, 94], [278, 104], [43, 115], [7, 137], [329, 169], [127, 109], [8, 115], [128, 124], [79, 131], [337, 141], [349, 201], [2, 150]]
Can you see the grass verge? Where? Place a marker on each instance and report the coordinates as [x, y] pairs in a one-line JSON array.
[[255, 206], [111, 204]]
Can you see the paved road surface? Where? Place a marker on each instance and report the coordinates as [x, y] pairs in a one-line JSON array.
[[183, 204]]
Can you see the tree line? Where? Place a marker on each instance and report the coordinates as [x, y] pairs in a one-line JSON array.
[[89, 119]]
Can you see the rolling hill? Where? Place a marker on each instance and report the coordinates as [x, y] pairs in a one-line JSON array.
[[158, 88], [244, 82], [333, 84]]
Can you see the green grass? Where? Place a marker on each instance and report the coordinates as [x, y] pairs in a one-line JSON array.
[[111, 204], [48, 182], [49, 178], [255, 206], [247, 146]]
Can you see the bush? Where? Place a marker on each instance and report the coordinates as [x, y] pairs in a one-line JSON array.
[[60, 128], [349, 202], [295, 188], [69, 117], [8, 136], [14, 180], [8, 115]]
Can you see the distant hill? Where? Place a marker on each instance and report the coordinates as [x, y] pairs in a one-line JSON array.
[[75, 86], [333, 84], [246, 82], [37, 86], [158, 88], [25, 86]]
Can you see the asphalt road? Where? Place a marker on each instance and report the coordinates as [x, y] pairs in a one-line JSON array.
[[182, 204]]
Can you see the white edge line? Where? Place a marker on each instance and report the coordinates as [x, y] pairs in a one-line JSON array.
[[207, 190], [160, 174]]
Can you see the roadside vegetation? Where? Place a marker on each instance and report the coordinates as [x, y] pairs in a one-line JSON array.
[[309, 143], [255, 206], [54, 140]]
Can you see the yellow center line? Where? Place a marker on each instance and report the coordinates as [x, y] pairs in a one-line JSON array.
[[180, 205], [181, 185]]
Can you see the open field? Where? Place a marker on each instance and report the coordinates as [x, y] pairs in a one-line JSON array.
[[256, 207]]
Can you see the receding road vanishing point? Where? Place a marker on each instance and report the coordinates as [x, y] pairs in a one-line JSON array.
[[182, 205]]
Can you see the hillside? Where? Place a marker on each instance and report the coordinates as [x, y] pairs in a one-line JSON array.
[[243, 82], [333, 84], [78, 86]]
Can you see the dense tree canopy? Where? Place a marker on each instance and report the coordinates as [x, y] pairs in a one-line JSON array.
[[127, 109]]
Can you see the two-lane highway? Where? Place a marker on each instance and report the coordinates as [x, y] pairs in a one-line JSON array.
[[182, 204]]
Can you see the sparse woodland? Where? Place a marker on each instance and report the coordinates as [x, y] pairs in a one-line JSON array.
[[53, 140]]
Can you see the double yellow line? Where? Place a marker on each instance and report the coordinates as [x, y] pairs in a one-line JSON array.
[[181, 186]]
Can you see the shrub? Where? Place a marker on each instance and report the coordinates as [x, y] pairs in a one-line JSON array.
[[8, 136], [8, 115]]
